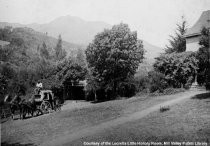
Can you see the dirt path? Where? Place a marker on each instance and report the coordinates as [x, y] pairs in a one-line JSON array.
[[69, 137]]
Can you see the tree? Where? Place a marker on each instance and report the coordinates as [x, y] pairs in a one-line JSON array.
[[60, 53], [6, 53], [202, 56], [5, 33], [69, 71], [93, 84], [179, 68], [80, 58], [68, 74], [43, 51], [3, 85], [178, 42], [114, 55]]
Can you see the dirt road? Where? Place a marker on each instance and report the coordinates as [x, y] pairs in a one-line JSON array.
[[69, 137]]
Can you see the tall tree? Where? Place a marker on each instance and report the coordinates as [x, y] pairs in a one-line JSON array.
[[178, 42], [114, 55], [202, 56], [60, 53], [43, 51], [81, 57]]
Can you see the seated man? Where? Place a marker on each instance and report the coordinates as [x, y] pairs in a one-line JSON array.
[[38, 87]]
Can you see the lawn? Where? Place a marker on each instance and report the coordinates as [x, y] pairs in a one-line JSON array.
[[188, 121], [185, 118]]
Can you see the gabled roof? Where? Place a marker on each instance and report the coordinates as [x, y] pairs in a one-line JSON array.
[[202, 22]]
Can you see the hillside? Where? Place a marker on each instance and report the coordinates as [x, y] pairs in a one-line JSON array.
[[3, 24], [32, 39], [72, 29], [78, 31], [151, 51]]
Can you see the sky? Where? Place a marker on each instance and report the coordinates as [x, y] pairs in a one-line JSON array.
[[154, 20]]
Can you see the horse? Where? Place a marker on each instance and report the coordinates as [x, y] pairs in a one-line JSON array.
[[23, 106], [30, 107], [14, 104], [25, 109]]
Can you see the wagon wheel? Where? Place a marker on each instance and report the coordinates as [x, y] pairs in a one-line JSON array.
[[45, 107]]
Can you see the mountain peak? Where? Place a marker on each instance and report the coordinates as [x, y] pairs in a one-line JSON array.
[[72, 29], [76, 30], [67, 19]]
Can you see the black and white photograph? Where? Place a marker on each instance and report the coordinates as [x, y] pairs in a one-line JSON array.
[[105, 72]]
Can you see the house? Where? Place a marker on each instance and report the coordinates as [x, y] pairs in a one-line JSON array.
[[193, 34], [75, 90]]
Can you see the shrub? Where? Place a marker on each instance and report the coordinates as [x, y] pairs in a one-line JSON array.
[[178, 68], [141, 83], [168, 91], [126, 89], [157, 81]]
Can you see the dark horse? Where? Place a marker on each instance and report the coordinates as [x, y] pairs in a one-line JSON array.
[[30, 107], [24, 107], [14, 104]]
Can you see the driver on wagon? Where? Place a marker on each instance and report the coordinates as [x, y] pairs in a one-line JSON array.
[[38, 87]]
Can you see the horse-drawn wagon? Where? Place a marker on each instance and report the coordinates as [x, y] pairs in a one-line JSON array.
[[46, 101], [42, 102]]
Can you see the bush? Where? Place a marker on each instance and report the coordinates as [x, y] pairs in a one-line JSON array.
[[168, 91], [157, 82], [179, 68], [141, 83], [126, 89]]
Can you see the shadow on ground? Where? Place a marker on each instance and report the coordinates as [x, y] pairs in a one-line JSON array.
[[16, 144], [3, 120], [202, 96]]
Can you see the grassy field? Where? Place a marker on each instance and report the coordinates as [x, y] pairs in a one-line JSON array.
[[186, 121]]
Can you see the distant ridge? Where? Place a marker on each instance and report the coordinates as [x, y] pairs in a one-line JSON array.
[[73, 29], [151, 51], [33, 39], [78, 31]]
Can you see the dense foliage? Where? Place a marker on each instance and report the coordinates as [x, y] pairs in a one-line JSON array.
[[113, 57], [31, 57], [178, 42], [157, 82], [70, 71], [60, 53], [179, 68], [202, 55]]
